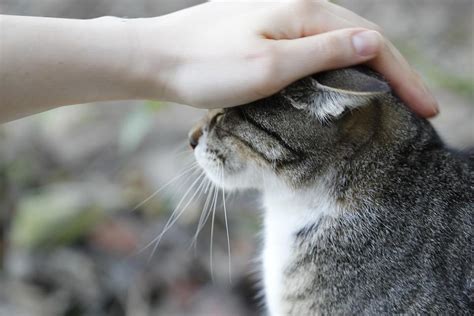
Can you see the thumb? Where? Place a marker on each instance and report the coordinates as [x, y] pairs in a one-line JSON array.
[[336, 49]]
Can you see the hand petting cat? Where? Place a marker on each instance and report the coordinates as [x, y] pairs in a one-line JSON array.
[[217, 54]]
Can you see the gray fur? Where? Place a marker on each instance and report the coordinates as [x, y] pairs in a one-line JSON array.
[[405, 242]]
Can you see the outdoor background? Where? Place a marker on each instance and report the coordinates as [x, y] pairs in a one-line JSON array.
[[70, 242]]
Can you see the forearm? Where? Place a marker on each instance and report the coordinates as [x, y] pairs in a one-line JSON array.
[[46, 63], [211, 55]]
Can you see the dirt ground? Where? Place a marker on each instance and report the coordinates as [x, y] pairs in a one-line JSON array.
[[72, 177]]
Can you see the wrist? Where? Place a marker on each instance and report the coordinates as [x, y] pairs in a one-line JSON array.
[[154, 57], [119, 61]]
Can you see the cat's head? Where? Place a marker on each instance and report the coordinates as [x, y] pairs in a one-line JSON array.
[[294, 136]]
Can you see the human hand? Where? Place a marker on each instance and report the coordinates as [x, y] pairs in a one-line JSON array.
[[224, 54]]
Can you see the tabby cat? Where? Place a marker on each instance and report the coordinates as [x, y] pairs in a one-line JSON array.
[[366, 210]]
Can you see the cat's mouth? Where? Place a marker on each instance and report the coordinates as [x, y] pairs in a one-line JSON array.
[[225, 167], [228, 170], [234, 149]]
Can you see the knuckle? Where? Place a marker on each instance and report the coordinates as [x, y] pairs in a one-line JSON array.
[[331, 50], [329, 46]]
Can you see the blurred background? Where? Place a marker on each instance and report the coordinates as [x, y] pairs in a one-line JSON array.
[[71, 242]]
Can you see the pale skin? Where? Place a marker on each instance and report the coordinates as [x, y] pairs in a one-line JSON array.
[[211, 55]]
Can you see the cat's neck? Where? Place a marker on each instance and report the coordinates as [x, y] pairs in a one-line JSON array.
[[294, 209], [287, 213]]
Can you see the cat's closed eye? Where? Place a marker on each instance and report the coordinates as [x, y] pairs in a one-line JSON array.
[[364, 204]]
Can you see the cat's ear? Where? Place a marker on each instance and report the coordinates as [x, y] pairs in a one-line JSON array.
[[327, 95]]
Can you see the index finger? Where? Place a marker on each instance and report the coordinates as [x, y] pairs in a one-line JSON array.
[[393, 66], [404, 80], [389, 62]]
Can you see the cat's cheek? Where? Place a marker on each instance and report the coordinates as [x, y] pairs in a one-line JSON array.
[[226, 167], [211, 164], [206, 161], [237, 176]]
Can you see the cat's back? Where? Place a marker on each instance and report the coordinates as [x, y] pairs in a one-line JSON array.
[[425, 212], [406, 245]]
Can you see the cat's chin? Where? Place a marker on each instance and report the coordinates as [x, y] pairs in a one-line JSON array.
[[231, 175], [243, 179]]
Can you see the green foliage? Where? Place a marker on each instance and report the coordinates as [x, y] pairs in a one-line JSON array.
[[53, 218], [440, 77], [154, 105]]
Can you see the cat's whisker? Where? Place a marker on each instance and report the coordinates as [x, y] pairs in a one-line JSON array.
[[203, 217], [214, 206], [183, 184], [184, 152], [204, 190], [189, 169], [183, 209], [339, 182], [226, 225], [181, 148], [175, 215], [207, 210], [208, 213], [173, 218]]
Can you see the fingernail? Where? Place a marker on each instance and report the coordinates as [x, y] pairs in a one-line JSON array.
[[431, 100], [435, 107], [366, 43]]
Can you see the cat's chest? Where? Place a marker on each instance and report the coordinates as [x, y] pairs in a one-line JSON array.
[[285, 217]]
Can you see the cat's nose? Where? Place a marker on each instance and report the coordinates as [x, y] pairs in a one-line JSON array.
[[194, 137]]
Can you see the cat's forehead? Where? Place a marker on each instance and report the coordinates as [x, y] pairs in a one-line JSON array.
[[276, 112]]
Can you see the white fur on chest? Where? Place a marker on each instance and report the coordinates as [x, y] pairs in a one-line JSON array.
[[286, 214]]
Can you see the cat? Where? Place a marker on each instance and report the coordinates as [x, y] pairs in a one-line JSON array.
[[366, 210]]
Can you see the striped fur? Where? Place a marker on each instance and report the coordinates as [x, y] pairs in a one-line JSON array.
[[366, 210]]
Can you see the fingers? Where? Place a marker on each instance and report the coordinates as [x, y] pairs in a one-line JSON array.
[[309, 36], [402, 78], [335, 49], [406, 82]]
